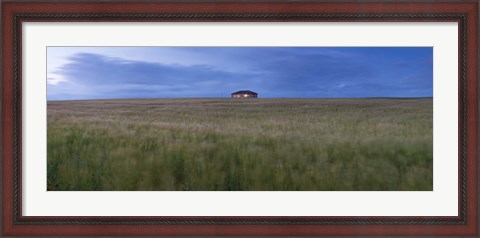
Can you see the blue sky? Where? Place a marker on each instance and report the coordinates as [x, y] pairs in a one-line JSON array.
[[185, 72]]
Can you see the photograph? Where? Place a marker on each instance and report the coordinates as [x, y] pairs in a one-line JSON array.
[[225, 118], [239, 118]]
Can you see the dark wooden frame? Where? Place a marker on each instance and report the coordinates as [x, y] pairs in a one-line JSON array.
[[16, 12]]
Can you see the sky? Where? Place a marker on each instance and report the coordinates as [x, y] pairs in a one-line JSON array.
[[75, 73]]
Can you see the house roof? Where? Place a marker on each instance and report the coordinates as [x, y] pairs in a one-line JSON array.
[[244, 92]]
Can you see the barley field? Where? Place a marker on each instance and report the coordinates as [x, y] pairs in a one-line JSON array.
[[226, 144]]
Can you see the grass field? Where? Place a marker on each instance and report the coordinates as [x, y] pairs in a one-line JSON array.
[[240, 144]]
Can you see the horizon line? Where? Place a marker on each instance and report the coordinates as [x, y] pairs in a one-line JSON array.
[[92, 99]]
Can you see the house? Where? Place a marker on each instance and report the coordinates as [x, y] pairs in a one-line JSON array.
[[244, 94]]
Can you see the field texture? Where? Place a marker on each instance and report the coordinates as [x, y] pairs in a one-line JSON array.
[[240, 144]]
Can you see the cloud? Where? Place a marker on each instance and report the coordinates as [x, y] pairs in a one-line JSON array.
[[92, 75], [55, 81], [270, 71]]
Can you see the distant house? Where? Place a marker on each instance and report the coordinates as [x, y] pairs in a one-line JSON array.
[[244, 94]]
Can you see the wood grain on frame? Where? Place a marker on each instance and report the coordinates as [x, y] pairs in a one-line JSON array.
[[16, 12]]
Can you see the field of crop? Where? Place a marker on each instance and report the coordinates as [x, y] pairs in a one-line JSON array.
[[240, 144]]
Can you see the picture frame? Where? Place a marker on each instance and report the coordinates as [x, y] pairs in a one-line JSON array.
[[15, 13]]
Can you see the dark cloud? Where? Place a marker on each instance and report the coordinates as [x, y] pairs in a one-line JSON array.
[[271, 71], [114, 77]]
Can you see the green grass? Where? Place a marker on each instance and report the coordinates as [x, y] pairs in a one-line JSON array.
[[240, 144]]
